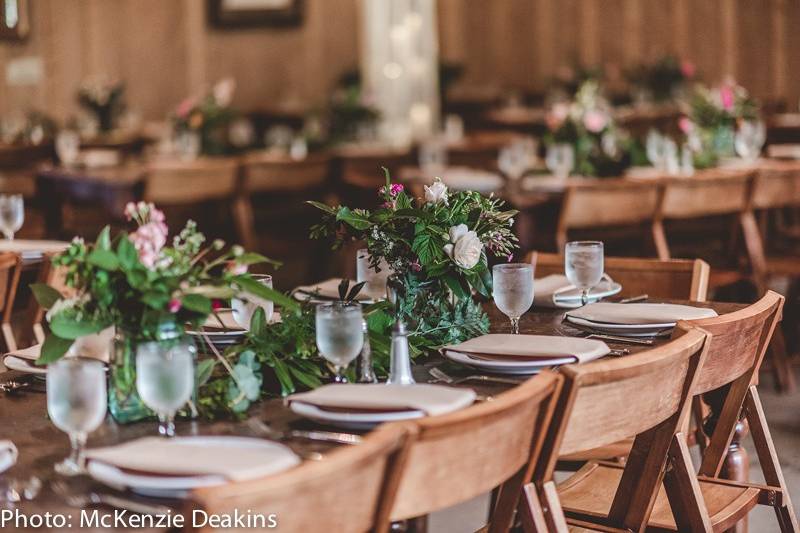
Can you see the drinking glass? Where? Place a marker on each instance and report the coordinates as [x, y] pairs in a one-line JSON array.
[[513, 290], [246, 304], [68, 145], [165, 379], [12, 214], [583, 265], [339, 334], [189, 145], [453, 128], [76, 403], [433, 155], [376, 281], [512, 162], [654, 145], [560, 159], [749, 139]]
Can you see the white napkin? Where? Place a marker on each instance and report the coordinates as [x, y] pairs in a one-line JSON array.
[[471, 179], [8, 455], [507, 347], [328, 289], [545, 289], [431, 399], [32, 247], [235, 458], [29, 354], [640, 313], [784, 151], [223, 319]]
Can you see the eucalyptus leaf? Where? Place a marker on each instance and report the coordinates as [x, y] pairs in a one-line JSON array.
[[203, 371], [104, 259], [46, 296], [53, 349], [68, 327], [103, 241], [197, 303], [248, 284]]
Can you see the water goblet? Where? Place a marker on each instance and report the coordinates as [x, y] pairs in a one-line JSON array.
[[165, 379], [12, 214], [76, 403], [512, 285], [340, 337], [583, 265], [246, 304], [560, 159], [654, 146], [375, 281], [749, 139], [68, 145]]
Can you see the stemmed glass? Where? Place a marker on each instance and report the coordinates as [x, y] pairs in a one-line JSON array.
[[76, 403], [583, 265], [655, 147], [339, 334], [12, 214], [165, 379], [513, 290], [246, 304], [560, 159], [68, 146], [749, 139]]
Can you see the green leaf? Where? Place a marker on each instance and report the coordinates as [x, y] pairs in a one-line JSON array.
[[248, 284], [359, 222], [309, 380], [204, 370], [196, 303], [104, 239], [342, 288], [282, 373], [104, 259], [258, 322], [127, 254], [454, 285], [251, 258], [355, 290], [53, 349], [324, 207], [155, 299], [70, 328], [45, 295]]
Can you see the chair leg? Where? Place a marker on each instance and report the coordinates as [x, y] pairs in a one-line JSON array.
[[683, 490], [768, 458], [541, 512], [505, 503], [660, 240], [781, 365]]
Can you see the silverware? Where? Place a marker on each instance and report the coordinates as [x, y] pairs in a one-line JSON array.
[[628, 340], [442, 376], [14, 386], [317, 435], [633, 299], [97, 498], [620, 352]]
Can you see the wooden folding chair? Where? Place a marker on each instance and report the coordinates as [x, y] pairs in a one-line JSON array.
[[459, 456], [346, 492], [49, 274], [10, 270], [677, 279], [608, 203], [645, 395]]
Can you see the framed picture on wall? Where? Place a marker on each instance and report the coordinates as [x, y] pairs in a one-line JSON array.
[[14, 25], [255, 13]]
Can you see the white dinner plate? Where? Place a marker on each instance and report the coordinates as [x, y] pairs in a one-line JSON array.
[[351, 420], [23, 365], [630, 330], [175, 486], [572, 297], [516, 368]]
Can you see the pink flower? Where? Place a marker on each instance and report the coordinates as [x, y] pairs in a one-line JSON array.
[[395, 189], [510, 258], [185, 107], [686, 125], [148, 240], [130, 210], [174, 305], [415, 266], [557, 115], [237, 269], [595, 120], [688, 69], [223, 91], [726, 97], [216, 305]]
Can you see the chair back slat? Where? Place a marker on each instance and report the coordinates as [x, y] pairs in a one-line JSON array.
[[10, 271], [776, 188], [718, 194], [459, 456], [344, 492], [679, 279], [738, 341], [268, 174], [187, 182], [609, 203], [653, 381]]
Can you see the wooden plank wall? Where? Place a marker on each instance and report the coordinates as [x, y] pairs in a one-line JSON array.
[[165, 50]]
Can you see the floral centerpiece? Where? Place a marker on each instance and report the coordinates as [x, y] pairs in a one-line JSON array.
[[349, 111], [438, 249], [710, 119], [663, 80], [104, 98], [601, 149], [147, 291], [207, 117]]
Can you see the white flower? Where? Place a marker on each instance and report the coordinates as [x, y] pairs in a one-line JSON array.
[[436, 192], [465, 248], [223, 91]]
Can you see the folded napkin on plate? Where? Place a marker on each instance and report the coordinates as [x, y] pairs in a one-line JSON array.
[[29, 354], [222, 321], [547, 288], [8, 455], [328, 289], [198, 456], [430, 399], [507, 347], [640, 313]]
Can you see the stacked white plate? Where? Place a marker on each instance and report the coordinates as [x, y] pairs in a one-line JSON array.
[[556, 291], [32, 250], [327, 291], [523, 354], [635, 319], [221, 335]]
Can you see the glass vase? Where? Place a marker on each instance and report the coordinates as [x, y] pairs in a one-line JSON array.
[[124, 402]]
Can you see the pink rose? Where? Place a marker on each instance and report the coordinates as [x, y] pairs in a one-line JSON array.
[[174, 305], [216, 305], [688, 69], [686, 125], [185, 107], [726, 97], [595, 121], [148, 240], [237, 269]]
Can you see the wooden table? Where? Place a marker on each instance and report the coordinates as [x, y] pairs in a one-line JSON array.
[[23, 418]]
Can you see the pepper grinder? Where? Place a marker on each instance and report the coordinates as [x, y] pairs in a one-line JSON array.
[[366, 374], [400, 359]]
